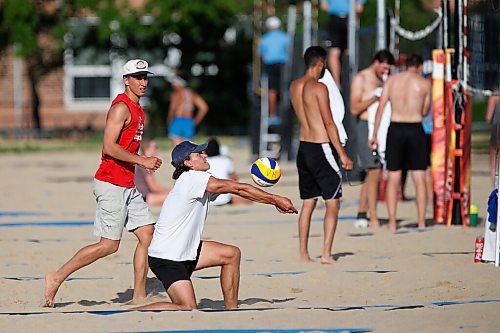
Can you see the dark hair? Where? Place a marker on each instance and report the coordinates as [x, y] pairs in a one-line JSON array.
[[179, 170], [213, 148], [182, 74], [384, 56], [414, 60], [313, 54]]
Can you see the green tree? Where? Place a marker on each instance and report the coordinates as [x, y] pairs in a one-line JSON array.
[[34, 29]]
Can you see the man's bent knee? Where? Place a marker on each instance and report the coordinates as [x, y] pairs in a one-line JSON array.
[[108, 246], [144, 233], [234, 254]]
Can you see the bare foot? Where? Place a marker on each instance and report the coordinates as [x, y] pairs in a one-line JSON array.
[[137, 301], [51, 287], [327, 261], [374, 224], [421, 226], [393, 228], [306, 259]]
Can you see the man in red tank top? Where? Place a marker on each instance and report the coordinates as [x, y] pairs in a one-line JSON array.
[[119, 204]]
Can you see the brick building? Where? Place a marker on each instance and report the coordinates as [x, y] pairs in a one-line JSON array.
[[78, 95]]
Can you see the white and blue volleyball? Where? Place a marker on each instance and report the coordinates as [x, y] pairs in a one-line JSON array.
[[265, 172]]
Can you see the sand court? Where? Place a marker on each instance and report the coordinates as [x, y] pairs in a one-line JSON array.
[[382, 282]]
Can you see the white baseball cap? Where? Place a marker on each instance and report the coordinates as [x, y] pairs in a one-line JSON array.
[[273, 23], [136, 67]]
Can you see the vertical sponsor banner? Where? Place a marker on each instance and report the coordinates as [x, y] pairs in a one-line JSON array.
[[465, 161], [438, 146], [451, 143], [449, 181]]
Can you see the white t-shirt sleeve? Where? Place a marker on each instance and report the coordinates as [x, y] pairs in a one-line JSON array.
[[196, 183]]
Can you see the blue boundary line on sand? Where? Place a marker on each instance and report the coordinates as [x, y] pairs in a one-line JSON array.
[[318, 330], [48, 224], [269, 274], [24, 214], [387, 307], [34, 278], [85, 223]]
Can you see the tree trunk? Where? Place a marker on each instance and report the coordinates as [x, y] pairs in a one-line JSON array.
[[35, 101], [35, 105]]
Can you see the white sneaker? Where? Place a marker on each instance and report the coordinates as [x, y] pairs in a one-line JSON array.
[[361, 223]]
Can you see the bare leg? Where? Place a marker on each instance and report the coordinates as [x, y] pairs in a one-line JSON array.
[[334, 64], [176, 141], [182, 295], [428, 186], [492, 164], [329, 228], [144, 235], [273, 103], [82, 258], [393, 184], [212, 254], [363, 198], [228, 257], [304, 227], [420, 190], [372, 179]]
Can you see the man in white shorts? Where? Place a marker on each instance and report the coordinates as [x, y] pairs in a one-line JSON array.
[[119, 204], [177, 249]]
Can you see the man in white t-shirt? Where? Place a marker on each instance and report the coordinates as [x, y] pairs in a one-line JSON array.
[[177, 249]]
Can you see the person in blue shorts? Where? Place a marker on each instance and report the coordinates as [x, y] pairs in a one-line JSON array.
[[181, 119]]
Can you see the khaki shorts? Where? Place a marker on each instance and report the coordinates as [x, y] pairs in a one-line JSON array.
[[119, 207]]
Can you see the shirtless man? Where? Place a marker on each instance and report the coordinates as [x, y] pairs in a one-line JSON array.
[[181, 121], [319, 152], [410, 95], [365, 93]]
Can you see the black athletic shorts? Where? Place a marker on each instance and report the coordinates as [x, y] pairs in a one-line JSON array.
[[319, 171], [273, 72], [428, 143], [338, 32], [406, 148], [170, 271]]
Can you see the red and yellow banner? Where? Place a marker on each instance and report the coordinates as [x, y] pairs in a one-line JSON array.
[[439, 136]]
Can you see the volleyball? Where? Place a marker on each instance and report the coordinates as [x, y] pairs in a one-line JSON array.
[[265, 172]]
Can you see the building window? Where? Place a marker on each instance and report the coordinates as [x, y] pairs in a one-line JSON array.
[[91, 87], [92, 70]]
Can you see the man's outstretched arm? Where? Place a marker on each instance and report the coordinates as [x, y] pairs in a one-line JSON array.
[[250, 192]]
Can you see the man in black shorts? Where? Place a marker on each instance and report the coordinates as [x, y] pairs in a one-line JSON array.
[[177, 249], [319, 153], [337, 39], [410, 97]]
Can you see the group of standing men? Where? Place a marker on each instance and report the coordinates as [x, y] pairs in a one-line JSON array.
[[321, 153]]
